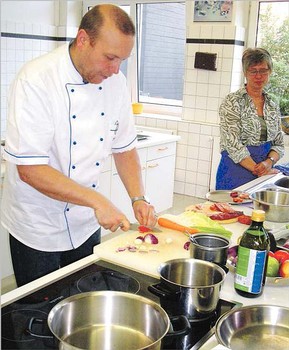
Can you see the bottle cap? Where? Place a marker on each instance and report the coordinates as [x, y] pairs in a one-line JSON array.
[[258, 215]]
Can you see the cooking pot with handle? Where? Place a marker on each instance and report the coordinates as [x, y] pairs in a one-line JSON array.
[[110, 320], [192, 285]]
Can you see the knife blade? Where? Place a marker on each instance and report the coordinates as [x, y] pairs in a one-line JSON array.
[[135, 227]]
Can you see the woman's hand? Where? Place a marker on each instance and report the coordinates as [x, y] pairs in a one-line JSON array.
[[264, 168]]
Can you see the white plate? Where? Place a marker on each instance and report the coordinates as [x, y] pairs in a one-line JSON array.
[[224, 196]]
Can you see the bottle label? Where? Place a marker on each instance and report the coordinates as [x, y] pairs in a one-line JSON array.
[[250, 270]]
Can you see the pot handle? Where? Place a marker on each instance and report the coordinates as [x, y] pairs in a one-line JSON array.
[[224, 267], [160, 291], [29, 331], [180, 326]]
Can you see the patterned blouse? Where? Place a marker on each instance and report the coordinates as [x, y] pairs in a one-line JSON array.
[[240, 125]]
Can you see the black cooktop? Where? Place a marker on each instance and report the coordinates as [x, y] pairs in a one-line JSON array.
[[24, 322]]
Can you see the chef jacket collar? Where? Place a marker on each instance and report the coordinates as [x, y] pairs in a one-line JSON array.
[[83, 80]]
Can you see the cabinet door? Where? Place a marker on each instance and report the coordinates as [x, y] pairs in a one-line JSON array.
[[160, 175], [119, 196]]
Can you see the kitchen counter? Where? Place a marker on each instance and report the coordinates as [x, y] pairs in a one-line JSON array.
[[273, 294]]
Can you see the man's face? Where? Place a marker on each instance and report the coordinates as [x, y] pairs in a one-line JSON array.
[[102, 59]]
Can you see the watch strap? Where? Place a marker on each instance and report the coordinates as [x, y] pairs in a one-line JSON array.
[[140, 198], [272, 160]]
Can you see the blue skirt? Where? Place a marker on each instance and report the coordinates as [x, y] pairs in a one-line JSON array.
[[231, 175]]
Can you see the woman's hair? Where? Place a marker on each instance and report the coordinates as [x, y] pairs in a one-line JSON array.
[[94, 19], [255, 56]]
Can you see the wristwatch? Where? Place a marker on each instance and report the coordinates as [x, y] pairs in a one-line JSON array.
[[272, 160], [140, 198]]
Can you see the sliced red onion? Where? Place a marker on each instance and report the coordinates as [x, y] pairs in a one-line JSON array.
[[187, 245], [120, 249], [151, 239], [132, 248]]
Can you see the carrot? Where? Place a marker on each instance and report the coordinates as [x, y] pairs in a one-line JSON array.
[[174, 226]]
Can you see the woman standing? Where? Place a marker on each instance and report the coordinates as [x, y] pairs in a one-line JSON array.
[[251, 139]]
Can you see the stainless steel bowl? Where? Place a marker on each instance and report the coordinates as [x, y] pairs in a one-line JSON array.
[[274, 202], [254, 327]]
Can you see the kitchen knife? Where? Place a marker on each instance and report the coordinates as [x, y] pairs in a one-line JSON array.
[[135, 226]]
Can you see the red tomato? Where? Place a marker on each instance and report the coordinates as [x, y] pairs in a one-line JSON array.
[[281, 255], [245, 219], [271, 254]]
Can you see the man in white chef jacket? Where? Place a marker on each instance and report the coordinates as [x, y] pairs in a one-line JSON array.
[[68, 110]]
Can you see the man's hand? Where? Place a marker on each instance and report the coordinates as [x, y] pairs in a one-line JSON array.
[[110, 218], [145, 213]]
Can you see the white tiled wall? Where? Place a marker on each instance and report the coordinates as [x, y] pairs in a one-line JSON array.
[[203, 94], [16, 51]]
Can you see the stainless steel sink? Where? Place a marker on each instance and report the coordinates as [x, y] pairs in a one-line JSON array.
[[283, 182]]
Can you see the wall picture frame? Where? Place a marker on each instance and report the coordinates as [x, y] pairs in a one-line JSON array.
[[213, 11]]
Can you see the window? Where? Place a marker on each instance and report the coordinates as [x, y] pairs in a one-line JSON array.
[[273, 35], [161, 52]]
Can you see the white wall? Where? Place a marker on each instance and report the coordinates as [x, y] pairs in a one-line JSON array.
[[29, 11]]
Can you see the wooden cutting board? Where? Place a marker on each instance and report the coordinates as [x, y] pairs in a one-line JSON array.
[[149, 262], [145, 262]]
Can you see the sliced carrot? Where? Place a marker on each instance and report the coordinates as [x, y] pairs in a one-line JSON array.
[[174, 226]]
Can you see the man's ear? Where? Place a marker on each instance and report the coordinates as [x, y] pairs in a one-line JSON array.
[[82, 38]]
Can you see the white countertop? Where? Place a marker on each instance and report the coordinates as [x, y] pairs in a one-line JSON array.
[[155, 138]]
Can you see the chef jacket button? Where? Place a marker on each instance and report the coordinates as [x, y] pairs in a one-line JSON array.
[[73, 166], [100, 88], [93, 185], [72, 90], [74, 116], [97, 164], [67, 209], [101, 139], [74, 142], [102, 114]]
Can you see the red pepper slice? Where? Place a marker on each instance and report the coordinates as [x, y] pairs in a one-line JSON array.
[[143, 229]]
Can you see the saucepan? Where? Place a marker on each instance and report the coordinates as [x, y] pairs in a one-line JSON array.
[[254, 327], [190, 287], [109, 320], [209, 247]]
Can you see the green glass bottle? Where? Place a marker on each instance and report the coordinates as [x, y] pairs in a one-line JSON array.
[[252, 258]]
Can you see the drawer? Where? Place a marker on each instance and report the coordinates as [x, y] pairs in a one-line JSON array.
[[162, 150]]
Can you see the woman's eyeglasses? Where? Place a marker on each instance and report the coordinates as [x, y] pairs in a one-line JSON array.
[[254, 72]]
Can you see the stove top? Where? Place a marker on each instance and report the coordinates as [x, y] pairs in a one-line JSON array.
[[24, 322]]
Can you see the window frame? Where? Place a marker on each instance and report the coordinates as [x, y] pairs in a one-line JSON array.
[[132, 66]]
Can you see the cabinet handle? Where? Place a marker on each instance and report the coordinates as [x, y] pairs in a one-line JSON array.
[[163, 149], [153, 166]]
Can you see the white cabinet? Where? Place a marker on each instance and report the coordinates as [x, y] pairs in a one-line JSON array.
[[158, 168], [119, 196]]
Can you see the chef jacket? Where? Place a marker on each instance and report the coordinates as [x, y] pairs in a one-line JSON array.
[[57, 119]]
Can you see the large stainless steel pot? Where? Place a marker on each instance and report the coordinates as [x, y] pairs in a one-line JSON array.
[[254, 327], [192, 285], [108, 320]]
